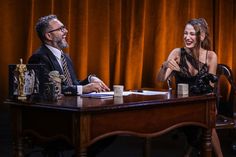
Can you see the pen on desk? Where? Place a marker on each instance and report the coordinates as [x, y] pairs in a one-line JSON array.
[[139, 90]]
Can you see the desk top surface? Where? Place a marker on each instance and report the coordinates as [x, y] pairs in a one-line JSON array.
[[82, 104]]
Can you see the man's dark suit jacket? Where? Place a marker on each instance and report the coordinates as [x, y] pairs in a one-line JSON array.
[[44, 56]]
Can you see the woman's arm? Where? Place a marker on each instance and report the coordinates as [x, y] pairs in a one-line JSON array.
[[212, 64], [169, 65]]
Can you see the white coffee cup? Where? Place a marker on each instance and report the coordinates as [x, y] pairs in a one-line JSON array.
[[79, 89], [118, 90], [79, 101], [182, 89], [118, 100]]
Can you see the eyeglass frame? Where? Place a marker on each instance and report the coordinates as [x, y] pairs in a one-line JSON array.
[[62, 29]]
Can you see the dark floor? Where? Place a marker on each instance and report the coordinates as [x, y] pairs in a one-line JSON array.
[[170, 145]]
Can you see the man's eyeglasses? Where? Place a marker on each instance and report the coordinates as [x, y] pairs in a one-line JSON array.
[[62, 29]]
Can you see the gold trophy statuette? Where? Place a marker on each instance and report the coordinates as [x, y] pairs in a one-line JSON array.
[[21, 69]]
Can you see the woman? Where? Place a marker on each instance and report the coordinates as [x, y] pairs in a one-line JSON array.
[[194, 64]]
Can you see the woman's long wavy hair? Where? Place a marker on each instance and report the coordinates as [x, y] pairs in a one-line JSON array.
[[200, 26]]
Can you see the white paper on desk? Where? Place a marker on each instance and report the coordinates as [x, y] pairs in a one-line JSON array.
[[125, 93], [148, 92]]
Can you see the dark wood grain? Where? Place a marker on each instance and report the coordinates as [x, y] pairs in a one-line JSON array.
[[83, 121]]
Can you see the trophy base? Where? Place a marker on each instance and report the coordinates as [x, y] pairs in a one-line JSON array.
[[21, 97]]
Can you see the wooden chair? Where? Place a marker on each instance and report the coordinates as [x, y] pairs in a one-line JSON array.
[[225, 101]]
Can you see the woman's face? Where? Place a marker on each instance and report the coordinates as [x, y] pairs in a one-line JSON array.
[[189, 36]]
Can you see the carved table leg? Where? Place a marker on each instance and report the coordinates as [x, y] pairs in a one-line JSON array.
[[147, 147], [207, 145], [18, 148], [83, 153], [81, 131], [16, 116]]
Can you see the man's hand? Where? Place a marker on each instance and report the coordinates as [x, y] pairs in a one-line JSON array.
[[96, 85]]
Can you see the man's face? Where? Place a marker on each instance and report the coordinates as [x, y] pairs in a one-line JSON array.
[[189, 36], [57, 33]]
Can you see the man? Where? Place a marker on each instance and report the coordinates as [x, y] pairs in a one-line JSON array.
[[53, 33]]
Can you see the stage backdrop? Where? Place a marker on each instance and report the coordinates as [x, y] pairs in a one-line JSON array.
[[121, 41]]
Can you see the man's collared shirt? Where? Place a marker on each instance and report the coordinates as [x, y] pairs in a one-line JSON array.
[[57, 53]]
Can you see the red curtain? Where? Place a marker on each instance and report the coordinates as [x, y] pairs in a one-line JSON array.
[[121, 41]]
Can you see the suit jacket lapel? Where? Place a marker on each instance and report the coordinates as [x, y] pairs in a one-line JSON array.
[[53, 60]]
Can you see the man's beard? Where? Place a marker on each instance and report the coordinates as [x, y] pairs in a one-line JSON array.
[[62, 44]]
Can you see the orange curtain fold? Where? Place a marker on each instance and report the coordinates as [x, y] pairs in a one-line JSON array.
[[121, 41]]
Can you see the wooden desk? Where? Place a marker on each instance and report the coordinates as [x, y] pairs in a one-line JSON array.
[[83, 121]]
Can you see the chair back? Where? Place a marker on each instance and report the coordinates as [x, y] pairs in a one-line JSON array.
[[225, 91], [225, 100]]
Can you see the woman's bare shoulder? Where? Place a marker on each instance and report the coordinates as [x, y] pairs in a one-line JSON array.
[[175, 52], [212, 61], [211, 55]]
